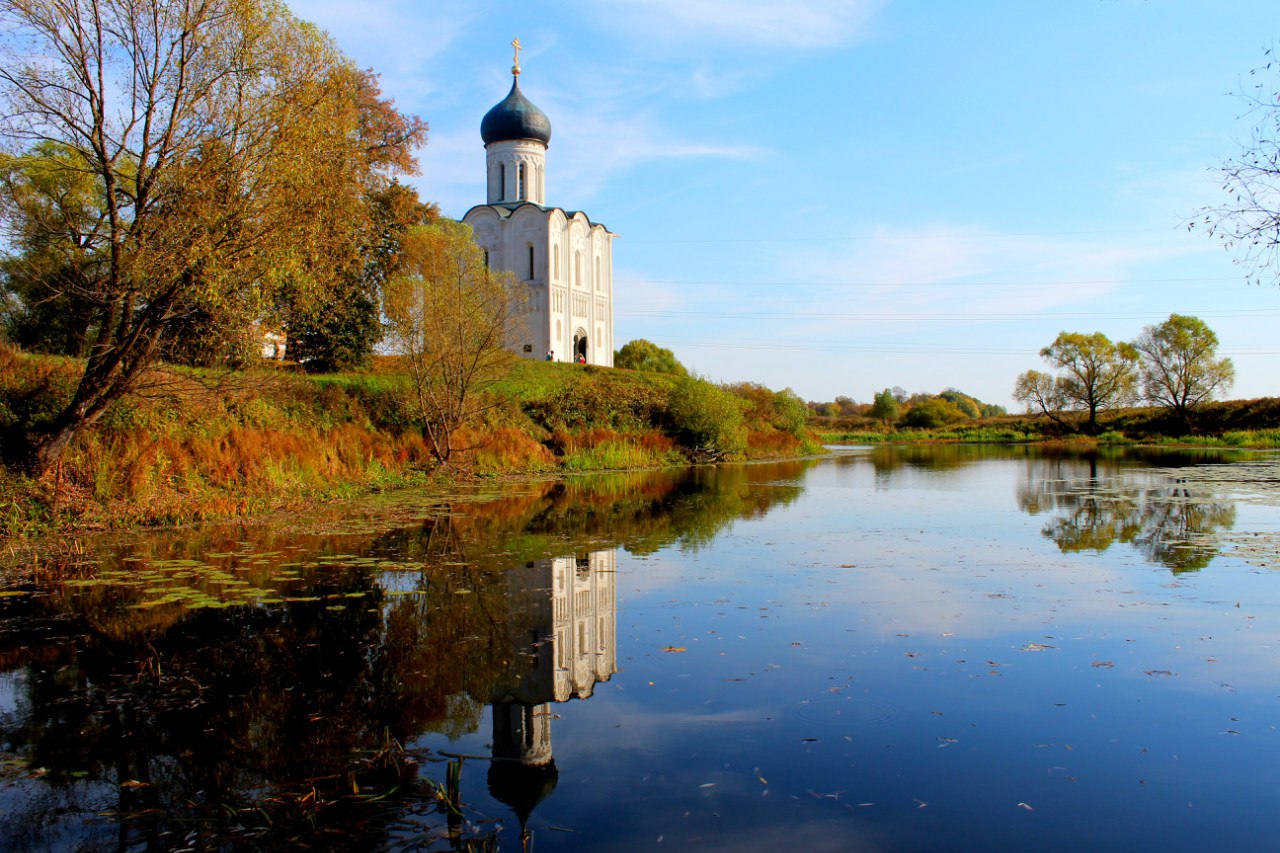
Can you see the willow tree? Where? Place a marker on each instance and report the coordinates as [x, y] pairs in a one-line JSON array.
[[449, 318], [1095, 374], [231, 146], [1180, 364]]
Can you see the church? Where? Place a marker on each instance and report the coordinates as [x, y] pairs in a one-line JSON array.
[[564, 259]]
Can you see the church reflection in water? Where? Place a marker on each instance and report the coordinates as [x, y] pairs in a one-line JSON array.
[[566, 645]]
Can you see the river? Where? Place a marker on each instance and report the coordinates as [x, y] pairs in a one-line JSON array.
[[887, 649]]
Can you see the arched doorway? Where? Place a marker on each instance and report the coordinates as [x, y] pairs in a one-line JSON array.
[[580, 346]]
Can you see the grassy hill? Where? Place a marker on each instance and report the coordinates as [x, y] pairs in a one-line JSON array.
[[201, 444]]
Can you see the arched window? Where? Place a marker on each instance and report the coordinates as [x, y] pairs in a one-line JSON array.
[[556, 251], [577, 268], [530, 262], [520, 182], [486, 258]]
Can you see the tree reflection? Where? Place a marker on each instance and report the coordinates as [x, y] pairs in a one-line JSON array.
[[1169, 523], [148, 714]]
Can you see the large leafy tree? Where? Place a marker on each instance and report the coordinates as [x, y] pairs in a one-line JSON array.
[[1095, 374], [1180, 365], [449, 318], [231, 151], [341, 332]]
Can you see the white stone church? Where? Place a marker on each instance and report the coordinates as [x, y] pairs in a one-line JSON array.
[[564, 258]]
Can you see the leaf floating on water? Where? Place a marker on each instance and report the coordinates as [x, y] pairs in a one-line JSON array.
[[1036, 647], [674, 649], [1025, 806], [134, 783], [1159, 673], [1102, 664]]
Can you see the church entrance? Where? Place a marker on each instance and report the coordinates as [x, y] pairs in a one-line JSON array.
[[580, 346]]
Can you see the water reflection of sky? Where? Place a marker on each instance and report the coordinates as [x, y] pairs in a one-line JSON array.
[[903, 660], [895, 650]]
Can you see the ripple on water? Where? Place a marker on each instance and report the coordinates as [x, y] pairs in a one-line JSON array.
[[837, 709]]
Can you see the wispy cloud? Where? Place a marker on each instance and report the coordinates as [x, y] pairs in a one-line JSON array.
[[389, 36], [758, 23], [1026, 273]]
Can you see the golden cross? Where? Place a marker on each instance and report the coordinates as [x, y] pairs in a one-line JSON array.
[[515, 69]]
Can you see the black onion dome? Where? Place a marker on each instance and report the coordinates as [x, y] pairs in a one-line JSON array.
[[515, 117]]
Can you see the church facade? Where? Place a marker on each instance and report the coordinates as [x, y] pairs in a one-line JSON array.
[[563, 258]]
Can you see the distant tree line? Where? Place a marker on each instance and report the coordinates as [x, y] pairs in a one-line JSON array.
[[895, 407]]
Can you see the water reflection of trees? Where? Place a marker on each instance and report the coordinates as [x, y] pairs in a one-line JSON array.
[[888, 459], [264, 724], [1095, 506]]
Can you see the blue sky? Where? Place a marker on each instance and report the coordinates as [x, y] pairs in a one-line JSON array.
[[840, 196]]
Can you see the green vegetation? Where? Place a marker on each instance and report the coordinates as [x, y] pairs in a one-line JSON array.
[[641, 354], [893, 406]]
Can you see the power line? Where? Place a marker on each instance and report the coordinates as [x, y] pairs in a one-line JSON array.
[[895, 349], [892, 237], [939, 317], [896, 284]]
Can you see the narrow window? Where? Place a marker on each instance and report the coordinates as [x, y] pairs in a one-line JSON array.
[[531, 263], [557, 263], [486, 259], [502, 181], [577, 268], [520, 181], [597, 275]]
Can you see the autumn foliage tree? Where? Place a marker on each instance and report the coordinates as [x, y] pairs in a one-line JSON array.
[[1180, 366], [1095, 374], [229, 148], [449, 318]]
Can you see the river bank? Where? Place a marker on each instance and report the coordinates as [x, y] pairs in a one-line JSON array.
[[199, 445], [1225, 423]]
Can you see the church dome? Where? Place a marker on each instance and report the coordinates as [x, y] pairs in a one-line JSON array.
[[515, 117]]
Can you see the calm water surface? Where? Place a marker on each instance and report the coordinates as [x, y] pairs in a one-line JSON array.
[[949, 649]]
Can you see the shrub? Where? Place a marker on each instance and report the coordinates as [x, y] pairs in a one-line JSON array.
[[641, 354], [707, 419]]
